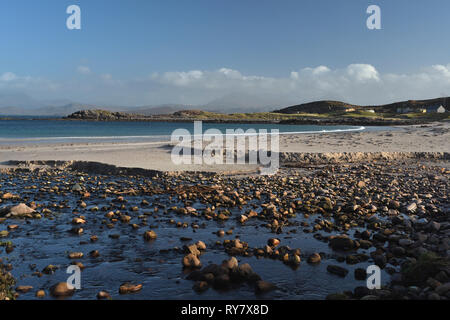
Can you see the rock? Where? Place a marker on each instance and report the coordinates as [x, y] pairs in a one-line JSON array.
[[208, 277], [191, 261], [62, 290], [264, 286], [434, 226], [361, 184], [360, 274], [40, 294], [18, 211], [405, 242], [294, 260], [273, 242], [341, 243], [94, 254], [150, 235], [411, 207], [443, 289], [231, 263], [78, 221], [337, 270], [192, 249], [76, 187], [103, 295], [360, 292], [433, 296], [365, 244], [76, 255], [351, 259], [129, 288], [4, 234], [23, 289], [50, 269], [398, 251], [314, 258], [201, 245], [8, 196], [200, 286], [222, 282], [244, 272], [380, 260]]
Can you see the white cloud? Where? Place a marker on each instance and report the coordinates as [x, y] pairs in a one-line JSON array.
[[363, 72], [83, 70], [355, 83], [8, 76]]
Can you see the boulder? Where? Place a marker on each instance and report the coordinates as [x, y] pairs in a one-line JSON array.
[[19, 211]]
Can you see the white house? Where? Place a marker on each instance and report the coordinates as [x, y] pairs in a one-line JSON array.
[[436, 109]]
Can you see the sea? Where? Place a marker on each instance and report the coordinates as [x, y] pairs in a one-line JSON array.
[[26, 131]]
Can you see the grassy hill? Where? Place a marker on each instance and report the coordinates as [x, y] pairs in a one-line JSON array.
[[336, 107]]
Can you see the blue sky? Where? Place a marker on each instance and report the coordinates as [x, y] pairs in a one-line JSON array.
[[144, 52]]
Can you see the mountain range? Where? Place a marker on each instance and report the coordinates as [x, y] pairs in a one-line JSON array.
[[19, 104]]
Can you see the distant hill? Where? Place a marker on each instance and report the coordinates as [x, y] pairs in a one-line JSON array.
[[413, 104], [323, 106], [326, 106], [44, 111]]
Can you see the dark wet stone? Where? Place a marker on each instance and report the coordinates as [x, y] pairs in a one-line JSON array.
[[341, 243], [200, 286], [264, 286], [314, 258], [222, 282], [360, 292], [360, 274], [337, 270]]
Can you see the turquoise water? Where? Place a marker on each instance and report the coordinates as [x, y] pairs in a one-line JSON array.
[[30, 131]]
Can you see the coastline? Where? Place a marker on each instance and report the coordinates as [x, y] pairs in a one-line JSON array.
[[156, 155]]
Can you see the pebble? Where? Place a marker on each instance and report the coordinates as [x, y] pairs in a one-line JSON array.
[[150, 235], [61, 290], [129, 288], [314, 258], [337, 270]]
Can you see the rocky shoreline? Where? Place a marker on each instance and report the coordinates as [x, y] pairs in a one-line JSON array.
[[103, 115], [382, 209]]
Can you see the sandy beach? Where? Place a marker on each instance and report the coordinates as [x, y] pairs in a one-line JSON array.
[[433, 137]]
